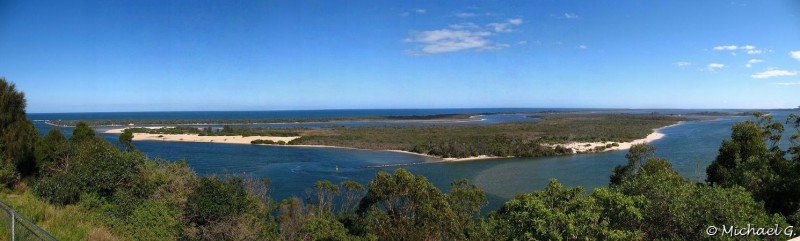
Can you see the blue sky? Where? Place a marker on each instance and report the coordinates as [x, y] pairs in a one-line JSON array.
[[92, 56]]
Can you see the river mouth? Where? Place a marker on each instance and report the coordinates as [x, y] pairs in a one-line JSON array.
[[690, 146]]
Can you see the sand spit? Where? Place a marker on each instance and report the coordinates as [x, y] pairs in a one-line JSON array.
[[198, 138], [591, 146]]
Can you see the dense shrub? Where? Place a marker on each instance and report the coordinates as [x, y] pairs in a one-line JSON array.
[[96, 166], [214, 200], [52, 147], [259, 141]]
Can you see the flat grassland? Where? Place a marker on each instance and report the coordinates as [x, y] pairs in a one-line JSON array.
[[521, 139]]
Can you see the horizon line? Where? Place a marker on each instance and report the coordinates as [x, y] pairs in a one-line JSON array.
[[457, 108]]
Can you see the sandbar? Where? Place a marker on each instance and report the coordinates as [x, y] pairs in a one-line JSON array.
[[198, 138]]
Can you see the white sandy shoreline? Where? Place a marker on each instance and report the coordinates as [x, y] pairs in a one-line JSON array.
[[578, 147], [198, 138], [590, 146]]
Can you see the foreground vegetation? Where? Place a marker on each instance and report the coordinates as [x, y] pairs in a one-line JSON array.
[[84, 188]]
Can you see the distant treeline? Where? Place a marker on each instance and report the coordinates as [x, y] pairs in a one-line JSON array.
[[441, 117], [522, 139], [718, 113]]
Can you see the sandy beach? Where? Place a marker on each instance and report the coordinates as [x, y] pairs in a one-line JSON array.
[[590, 146], [198, 138]]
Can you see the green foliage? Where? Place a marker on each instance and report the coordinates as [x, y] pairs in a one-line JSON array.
[[677, 208], [126, 139], [351, 192], [636, 156], [746, 143], [325, 191], [563, 150], [261, 142], [17, 133], [301, 222], [64, 223], [214, 200], [566, 214], [96, 166], [82, 132], [752, 159], [52, 147], [794, 122], [152, 220], [403, 203], [173, 182], [7, 172]]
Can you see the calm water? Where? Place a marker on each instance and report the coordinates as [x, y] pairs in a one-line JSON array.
[[691, 146]]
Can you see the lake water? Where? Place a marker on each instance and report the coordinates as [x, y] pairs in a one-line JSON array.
[[690, 146]]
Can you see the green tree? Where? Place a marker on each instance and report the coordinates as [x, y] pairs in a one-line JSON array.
[[53, 146], [752, 159], [636, 156], [403, 203], [82, 132], [325, 193], [17, 133], [794, 139], [566, 214], [679, 209], [302, 222], [352, 191], [746, 143], [126, 139], [214, 200]]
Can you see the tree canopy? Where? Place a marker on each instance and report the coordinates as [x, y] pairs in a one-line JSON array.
[[17, 133]]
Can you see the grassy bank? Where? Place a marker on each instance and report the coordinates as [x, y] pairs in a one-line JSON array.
[[69, 222]]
